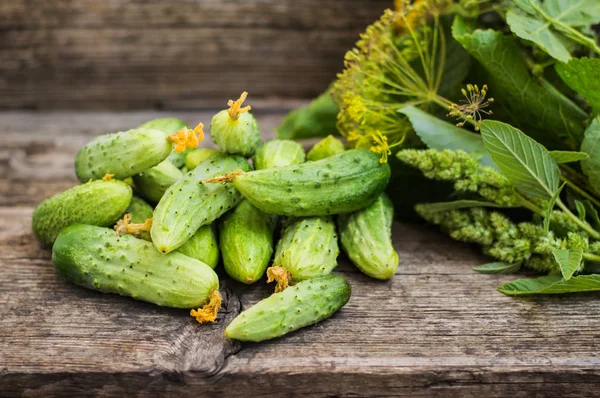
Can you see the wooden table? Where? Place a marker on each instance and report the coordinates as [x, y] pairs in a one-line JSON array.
[[435, 329]]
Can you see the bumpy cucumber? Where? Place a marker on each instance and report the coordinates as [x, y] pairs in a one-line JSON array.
[[301, 305], [97, 203], [246, 241], [235, 130], [339, 184], [328, 146], [278, 153], [366, 237], [153, 183], [123, 154], [140, 211], [190, 203], [169, 125], [197, 156], [308, 247], [203, 246], [98, 258]]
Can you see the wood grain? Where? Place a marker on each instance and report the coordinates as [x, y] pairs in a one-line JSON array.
[[178, 54], [436, 329]]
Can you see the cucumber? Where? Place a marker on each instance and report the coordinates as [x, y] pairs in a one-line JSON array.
[[153, 183], [190, 203], [278, 153], [366, 237], [140, 211], [327, 147], [100, 259], [169, 125], [196, 156], [96, 203], [246, 241], [235, 130], [308, 247], [203, 246], [123, 154], [339, 184], [301, 305]]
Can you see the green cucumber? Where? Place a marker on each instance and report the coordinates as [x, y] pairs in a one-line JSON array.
[[339, 184], [203, 246], [153, 183], [169, 125], [100, 259], [278, 153], [123, 154], [327, 147], [298, 306], [196, 156], [366, 237], [97, 203], [140, 211], [190, 203], [308, 247], [246, 241], [235, 130]]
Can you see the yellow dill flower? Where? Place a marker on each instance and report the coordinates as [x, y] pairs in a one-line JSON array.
[[472, 108], [381, 146]]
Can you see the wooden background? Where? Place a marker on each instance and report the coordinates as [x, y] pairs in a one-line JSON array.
[[166, 54]]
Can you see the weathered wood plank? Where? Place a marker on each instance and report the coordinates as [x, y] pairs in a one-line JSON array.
[[435, 329], [154, 54]]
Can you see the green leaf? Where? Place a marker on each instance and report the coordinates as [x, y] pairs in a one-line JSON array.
[[568, 156], [439, 134], [457, 204], [497, 268], [553, 23], [527, 164], [583, 76], [592, 215], [315, 120], [551, 285], [591, 146], [580, 207], [538, 110], [550, 207], [568, 260]]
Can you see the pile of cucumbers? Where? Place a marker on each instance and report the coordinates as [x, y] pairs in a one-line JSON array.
[[152, 220]]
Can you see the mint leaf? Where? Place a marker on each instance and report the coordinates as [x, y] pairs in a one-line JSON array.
[[551, 285], [540, 111], [550, 207], [583, 76], [591, 146], [568, 156], [527, 164], [553, 23], [439, 134], [497, 268], [568, 260], [457, 204]]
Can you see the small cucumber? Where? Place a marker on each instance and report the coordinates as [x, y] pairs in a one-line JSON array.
[[123, 154], [366, 237], [140, 211], [153, 183], [169, 125], [190, 203], [100, 259], [278, 153], [327, 147], [339, 184], [308, 247], [196, 156], [203, 246], [301, 305], [96, 203], [235, 130], [246, 241]]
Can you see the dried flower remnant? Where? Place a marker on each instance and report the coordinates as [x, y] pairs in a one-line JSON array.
[[124, 226], [235, 107], [279, 275], [209, 312], [186, 138], [107, 177], [472, 109]]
